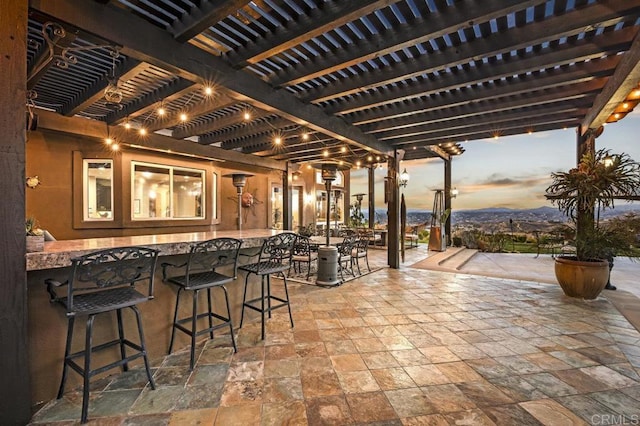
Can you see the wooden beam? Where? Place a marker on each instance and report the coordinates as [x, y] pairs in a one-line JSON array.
[[439, 152], [202, 108], [149, 43], [552, 56], [485, 134], [533, 114], [147, 102], [44, 59], [96, 129], [200, 18], [551, 79], [326, 17], [490, 128], [15, 395], [213, 130], [179, 92], [414, 31], [623, 80], [572, 93], [125, 70], [265, 129]]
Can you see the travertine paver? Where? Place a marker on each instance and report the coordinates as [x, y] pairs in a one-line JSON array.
[[398, 347]]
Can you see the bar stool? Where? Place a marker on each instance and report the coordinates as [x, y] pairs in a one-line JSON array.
[[100, 282], [274, 258], [200, 274]]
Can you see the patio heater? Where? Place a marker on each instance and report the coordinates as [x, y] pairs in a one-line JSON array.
[[239, 180], [327, 254]]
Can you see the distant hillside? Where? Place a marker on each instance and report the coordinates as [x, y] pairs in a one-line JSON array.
[[501, 214]]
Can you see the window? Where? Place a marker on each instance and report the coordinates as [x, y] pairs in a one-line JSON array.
[[97, 189], [166, 192]]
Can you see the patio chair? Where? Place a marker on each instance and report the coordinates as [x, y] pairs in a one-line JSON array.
[[345, 259], [102, 282], [303, 253], [202, 272], [361, 251]]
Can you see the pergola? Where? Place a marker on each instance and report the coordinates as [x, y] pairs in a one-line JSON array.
[[350, 80]]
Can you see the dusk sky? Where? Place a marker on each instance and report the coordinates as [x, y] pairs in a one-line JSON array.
[[512, 171]]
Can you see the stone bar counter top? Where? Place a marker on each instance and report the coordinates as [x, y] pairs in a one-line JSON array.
[[58, 254]]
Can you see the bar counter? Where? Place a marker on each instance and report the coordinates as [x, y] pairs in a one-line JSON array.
[[58, 254], [48, 323]]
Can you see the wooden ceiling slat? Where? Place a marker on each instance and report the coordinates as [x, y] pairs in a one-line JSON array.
[[532, 113], [414, 31], [580, 73], [491, 131], [200, 18], [149, 43], [128, 68], [201, 108], [214, 125], [147, 101], [573, 93], [327, 16], [519, 38]]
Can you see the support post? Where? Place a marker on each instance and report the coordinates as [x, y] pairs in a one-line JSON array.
[[15, 395], [372, 196], [447, 198], [286, 200], [393, 206]]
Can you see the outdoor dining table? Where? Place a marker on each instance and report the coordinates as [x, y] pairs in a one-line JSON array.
[[319, 240]]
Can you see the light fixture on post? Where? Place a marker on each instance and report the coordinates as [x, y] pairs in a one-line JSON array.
[[454, 192], [404, 178], [239, 180]]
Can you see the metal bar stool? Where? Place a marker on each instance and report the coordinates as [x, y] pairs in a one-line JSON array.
[[201, 274], [274, 258], [100, 282]]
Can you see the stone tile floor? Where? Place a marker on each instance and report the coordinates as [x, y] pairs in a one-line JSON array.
[[408, 346]]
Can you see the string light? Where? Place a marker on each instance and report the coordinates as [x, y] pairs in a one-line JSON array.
[[183, 117], [142, 131], [325, 153], [127, 125], [108, 141], [161, 111], [277, 140], [343, 149], [246, 115], [115, 147], [208, 91]]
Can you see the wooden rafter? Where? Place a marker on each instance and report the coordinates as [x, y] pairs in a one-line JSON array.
[[127, 69], [623, 80], [413, 32], [325, 18], [150, 100], [200, 18], [580, 51], [146, 42], [552, 79]]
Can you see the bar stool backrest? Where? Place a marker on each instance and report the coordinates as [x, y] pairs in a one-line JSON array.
[[278, 248], [212, 254], [105, 270]]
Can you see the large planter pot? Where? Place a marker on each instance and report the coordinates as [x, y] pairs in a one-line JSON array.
[[582, 279]]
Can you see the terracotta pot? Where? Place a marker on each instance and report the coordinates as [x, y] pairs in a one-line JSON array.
[[582, 279]]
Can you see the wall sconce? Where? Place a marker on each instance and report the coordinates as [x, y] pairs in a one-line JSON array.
[[454, 192], [404, 178], [295, 176]]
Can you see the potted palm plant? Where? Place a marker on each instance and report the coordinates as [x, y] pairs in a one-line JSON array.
[[582, 194]]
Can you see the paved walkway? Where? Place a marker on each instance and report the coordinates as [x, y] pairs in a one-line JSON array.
[[397, 347]]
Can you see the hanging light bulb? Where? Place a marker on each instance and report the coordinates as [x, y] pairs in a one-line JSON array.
[[343, 149], [161, 111], [277, 140], [142, 131], [127, 125], [246, 115], [208, 91], [183, 117], [325, 153], [115, 147], [108, 141]]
